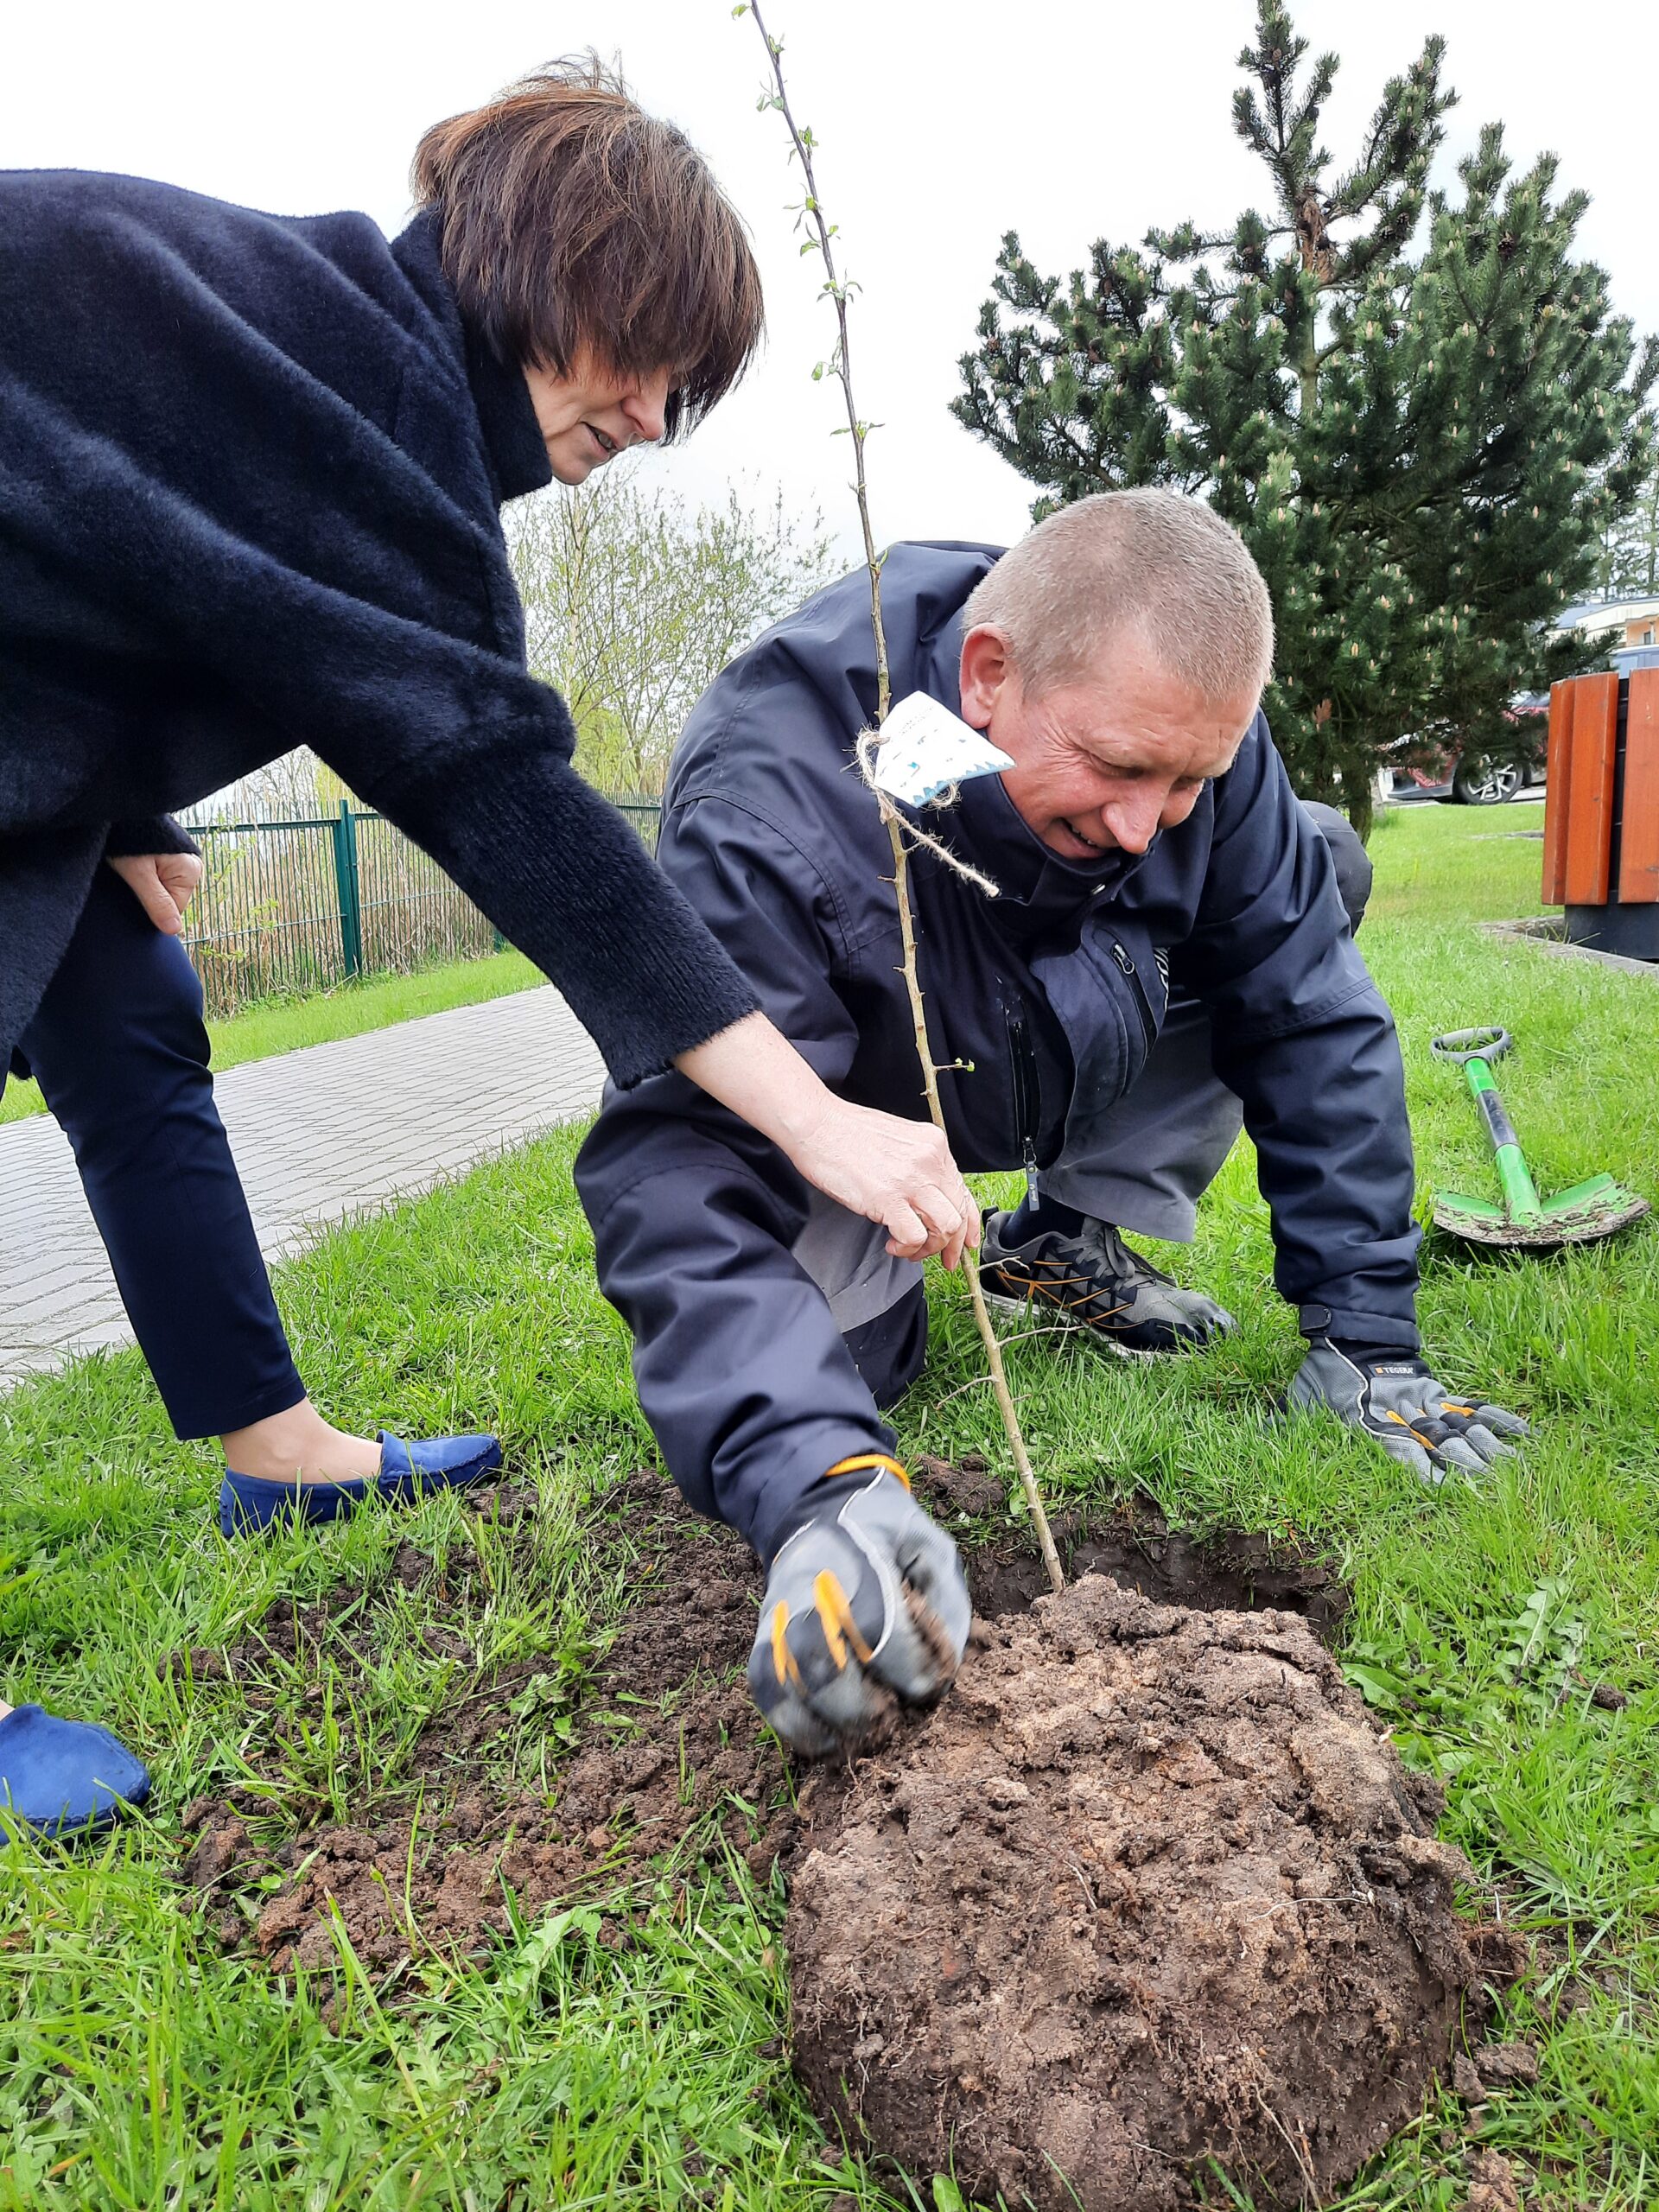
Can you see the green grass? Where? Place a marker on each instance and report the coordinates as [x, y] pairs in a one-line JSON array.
[[283, 1025], [141, 2065]]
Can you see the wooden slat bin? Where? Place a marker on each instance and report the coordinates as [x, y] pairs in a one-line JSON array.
[[1601, 811]]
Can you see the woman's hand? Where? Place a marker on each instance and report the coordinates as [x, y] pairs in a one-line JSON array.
[[895, 1172], [162, 883]]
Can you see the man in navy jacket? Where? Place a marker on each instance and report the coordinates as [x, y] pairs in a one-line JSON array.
[[1169, 944]]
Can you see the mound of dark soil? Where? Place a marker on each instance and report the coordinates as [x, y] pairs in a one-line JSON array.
[[1146, 1890]]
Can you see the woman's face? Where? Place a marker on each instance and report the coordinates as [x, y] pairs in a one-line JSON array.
[[593, 414]]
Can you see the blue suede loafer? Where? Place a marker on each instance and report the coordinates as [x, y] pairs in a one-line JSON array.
[[64, 1778], [406, 1471]]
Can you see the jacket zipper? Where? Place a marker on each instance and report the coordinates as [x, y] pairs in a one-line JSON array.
[[1142, 1003], [1027, 1093]]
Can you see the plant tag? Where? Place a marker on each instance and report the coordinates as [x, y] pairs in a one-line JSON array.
[[925, 748]]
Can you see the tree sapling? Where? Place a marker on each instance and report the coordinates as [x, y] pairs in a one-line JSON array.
[[820, 233]]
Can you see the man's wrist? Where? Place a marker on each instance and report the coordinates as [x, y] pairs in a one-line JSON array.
[[1361, 1324], [1367, 1354], [828, 1492]]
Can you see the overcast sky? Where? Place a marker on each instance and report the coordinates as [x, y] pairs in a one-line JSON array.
[[943, 123]]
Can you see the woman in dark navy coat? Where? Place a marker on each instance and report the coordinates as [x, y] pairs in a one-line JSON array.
[[251, 471]]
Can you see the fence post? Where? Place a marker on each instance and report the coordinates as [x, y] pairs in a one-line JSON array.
[[351, 904]]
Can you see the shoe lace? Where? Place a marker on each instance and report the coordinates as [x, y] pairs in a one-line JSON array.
[[1118, 1261]]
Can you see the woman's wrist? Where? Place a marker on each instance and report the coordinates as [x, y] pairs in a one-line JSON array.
[[885, 1167], [753, 1069]]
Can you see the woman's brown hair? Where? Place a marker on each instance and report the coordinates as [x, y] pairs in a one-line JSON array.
[[571, 219]]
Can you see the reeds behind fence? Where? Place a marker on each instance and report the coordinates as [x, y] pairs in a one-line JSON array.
[[291, 908]]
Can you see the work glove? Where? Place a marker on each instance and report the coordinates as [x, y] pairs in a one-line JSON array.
[[1393, 1396], [864, 1602]]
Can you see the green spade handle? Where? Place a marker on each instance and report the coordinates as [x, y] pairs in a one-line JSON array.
[[1474, 1049]]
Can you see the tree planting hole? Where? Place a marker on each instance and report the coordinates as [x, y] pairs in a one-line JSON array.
[[1212, 1570]]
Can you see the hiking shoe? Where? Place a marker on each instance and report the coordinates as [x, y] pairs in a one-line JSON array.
[[1115, 1299]]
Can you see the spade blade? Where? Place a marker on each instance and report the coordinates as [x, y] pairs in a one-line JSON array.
[[1583, 1215]]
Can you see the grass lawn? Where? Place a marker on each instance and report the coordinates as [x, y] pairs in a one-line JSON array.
[[283, 1025], [144, 2064]]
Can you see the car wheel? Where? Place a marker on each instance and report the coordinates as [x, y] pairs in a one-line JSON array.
[[1485, 783]]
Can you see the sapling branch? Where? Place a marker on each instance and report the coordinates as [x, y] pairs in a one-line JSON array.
[[839, 365]]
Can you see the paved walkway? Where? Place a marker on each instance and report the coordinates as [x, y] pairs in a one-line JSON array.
[[328, 1131]]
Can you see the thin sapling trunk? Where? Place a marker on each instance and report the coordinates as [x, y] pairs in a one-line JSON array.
[[821, 234]]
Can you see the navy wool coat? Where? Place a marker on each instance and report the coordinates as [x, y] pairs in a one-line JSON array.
[[250, 470]]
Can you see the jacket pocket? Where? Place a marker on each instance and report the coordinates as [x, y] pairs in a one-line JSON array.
[[1026, 1083], [1123, 961]]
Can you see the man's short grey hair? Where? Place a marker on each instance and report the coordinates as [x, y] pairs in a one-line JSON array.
[[1163, 568]]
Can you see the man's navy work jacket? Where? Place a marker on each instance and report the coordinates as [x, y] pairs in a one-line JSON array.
[[1049, 995]]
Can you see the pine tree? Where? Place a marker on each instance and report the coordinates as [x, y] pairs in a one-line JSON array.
[[1631, 548], [1415, 405]]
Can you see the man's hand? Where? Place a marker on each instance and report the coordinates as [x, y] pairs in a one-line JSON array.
[[864, 1601], [1396, 1399], [162, 883]]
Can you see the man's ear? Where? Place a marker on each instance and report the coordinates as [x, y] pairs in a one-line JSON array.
[[986, 668]]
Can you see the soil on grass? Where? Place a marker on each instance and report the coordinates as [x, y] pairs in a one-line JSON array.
[[659, 1739], [662, 1738], [1146, 1878], [1147, 1891]]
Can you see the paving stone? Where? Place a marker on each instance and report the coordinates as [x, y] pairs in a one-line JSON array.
[[319, 1136]]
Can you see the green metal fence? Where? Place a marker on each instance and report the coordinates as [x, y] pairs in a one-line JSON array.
[[289, 907]]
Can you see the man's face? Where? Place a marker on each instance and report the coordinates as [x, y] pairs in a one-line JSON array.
[[1101, 764]]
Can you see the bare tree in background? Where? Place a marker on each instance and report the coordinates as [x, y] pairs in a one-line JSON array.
[[297, 786], [634, 603]]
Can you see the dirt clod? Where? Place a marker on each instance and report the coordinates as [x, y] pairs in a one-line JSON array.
[[1147, 1890], [965, 1485], [1507, 2065], [1493, 2185]]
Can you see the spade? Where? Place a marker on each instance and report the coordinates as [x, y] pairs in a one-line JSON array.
[[1524, 1222]]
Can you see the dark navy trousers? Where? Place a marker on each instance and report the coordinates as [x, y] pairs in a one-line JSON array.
[[120, 1052]]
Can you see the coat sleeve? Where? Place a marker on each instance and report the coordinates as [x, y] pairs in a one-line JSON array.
[[741, 1369], [1305, 1038], [256, 473], [160, 834]]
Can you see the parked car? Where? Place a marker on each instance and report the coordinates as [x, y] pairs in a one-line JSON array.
[[1480, 779], [1474, 780]]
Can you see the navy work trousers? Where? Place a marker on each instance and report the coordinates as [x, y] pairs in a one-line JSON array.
[[120, 1052]]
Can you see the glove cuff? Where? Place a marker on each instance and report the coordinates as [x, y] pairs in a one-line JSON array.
[[1400, 1359], [1358, 1325], [861, 1460], [829, 1492]]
